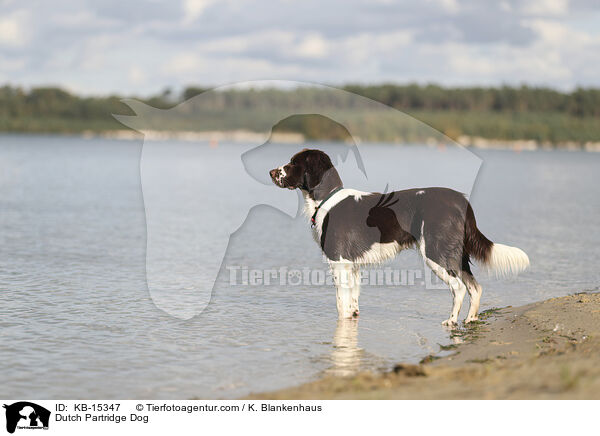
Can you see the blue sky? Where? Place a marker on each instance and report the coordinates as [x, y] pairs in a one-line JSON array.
[[140, 47]]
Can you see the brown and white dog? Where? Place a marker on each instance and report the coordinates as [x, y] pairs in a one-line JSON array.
[[357, 228]]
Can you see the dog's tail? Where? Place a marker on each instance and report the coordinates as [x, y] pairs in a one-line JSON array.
[[499, 258]]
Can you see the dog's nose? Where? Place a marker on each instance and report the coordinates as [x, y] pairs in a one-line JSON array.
[[273, 173]]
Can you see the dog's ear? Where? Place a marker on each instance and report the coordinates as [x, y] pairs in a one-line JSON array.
[[313, 177], [313, 170], [318, 164]]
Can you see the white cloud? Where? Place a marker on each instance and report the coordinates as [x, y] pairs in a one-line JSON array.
[[140, 47], [182, 63], [194, 9], [312, 46], [12, 30], [451, 6], [545, 7], [556, 33], [136, 75], [470, 64]]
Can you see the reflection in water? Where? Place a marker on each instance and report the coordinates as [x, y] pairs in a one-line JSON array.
[[346, 356]]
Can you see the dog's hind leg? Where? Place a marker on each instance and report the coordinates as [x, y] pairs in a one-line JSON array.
[[347, 288], [457, 287], [450, 278], [475, 292]]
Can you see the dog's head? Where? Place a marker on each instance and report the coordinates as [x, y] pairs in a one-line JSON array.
[[306, 170]]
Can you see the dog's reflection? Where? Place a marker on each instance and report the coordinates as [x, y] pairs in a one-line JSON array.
[[346, 356]]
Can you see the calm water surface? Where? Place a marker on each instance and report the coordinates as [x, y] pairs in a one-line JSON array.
[[77, 320]]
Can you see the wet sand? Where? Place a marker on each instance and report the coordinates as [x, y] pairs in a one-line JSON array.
[[545, 350]]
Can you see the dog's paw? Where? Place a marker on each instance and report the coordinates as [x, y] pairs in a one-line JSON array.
[[450, 322], [471, 319]]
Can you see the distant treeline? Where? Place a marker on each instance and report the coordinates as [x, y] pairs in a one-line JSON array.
[[504, 113], [581, 102]]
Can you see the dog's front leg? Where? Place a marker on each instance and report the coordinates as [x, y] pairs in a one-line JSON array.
[[355, 289], [347, 288]]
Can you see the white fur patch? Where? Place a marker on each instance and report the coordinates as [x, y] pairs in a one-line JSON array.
[[506, 261], [422, 241], [421, 192], [280, 174], [379, 253], [376, 254]]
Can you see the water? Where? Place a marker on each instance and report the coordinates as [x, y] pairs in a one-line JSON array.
[[77, 320]]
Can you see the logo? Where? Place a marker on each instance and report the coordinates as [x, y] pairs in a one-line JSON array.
[[26, 415]]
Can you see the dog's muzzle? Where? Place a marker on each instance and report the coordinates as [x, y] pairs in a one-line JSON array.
[[277, 176]]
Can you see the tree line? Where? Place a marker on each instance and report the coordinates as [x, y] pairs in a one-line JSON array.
[[524, 112], [580, 102]]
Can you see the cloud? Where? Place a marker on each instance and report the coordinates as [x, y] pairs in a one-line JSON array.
[[136, 75], [545, 7], [141, 46], [183, 63], [12, 29], [312, 46], [194, 8]]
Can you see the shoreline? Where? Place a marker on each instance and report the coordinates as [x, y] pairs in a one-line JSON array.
[[544, 350], [243, 136]]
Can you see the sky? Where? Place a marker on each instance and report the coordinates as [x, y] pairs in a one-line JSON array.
[[135, 47]]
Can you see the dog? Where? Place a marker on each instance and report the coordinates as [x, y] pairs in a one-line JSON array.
[[357, 228]]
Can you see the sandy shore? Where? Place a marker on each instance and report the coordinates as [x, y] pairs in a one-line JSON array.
[[543, 350]]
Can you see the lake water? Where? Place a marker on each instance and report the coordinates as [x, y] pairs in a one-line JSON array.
[[78, 319]]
